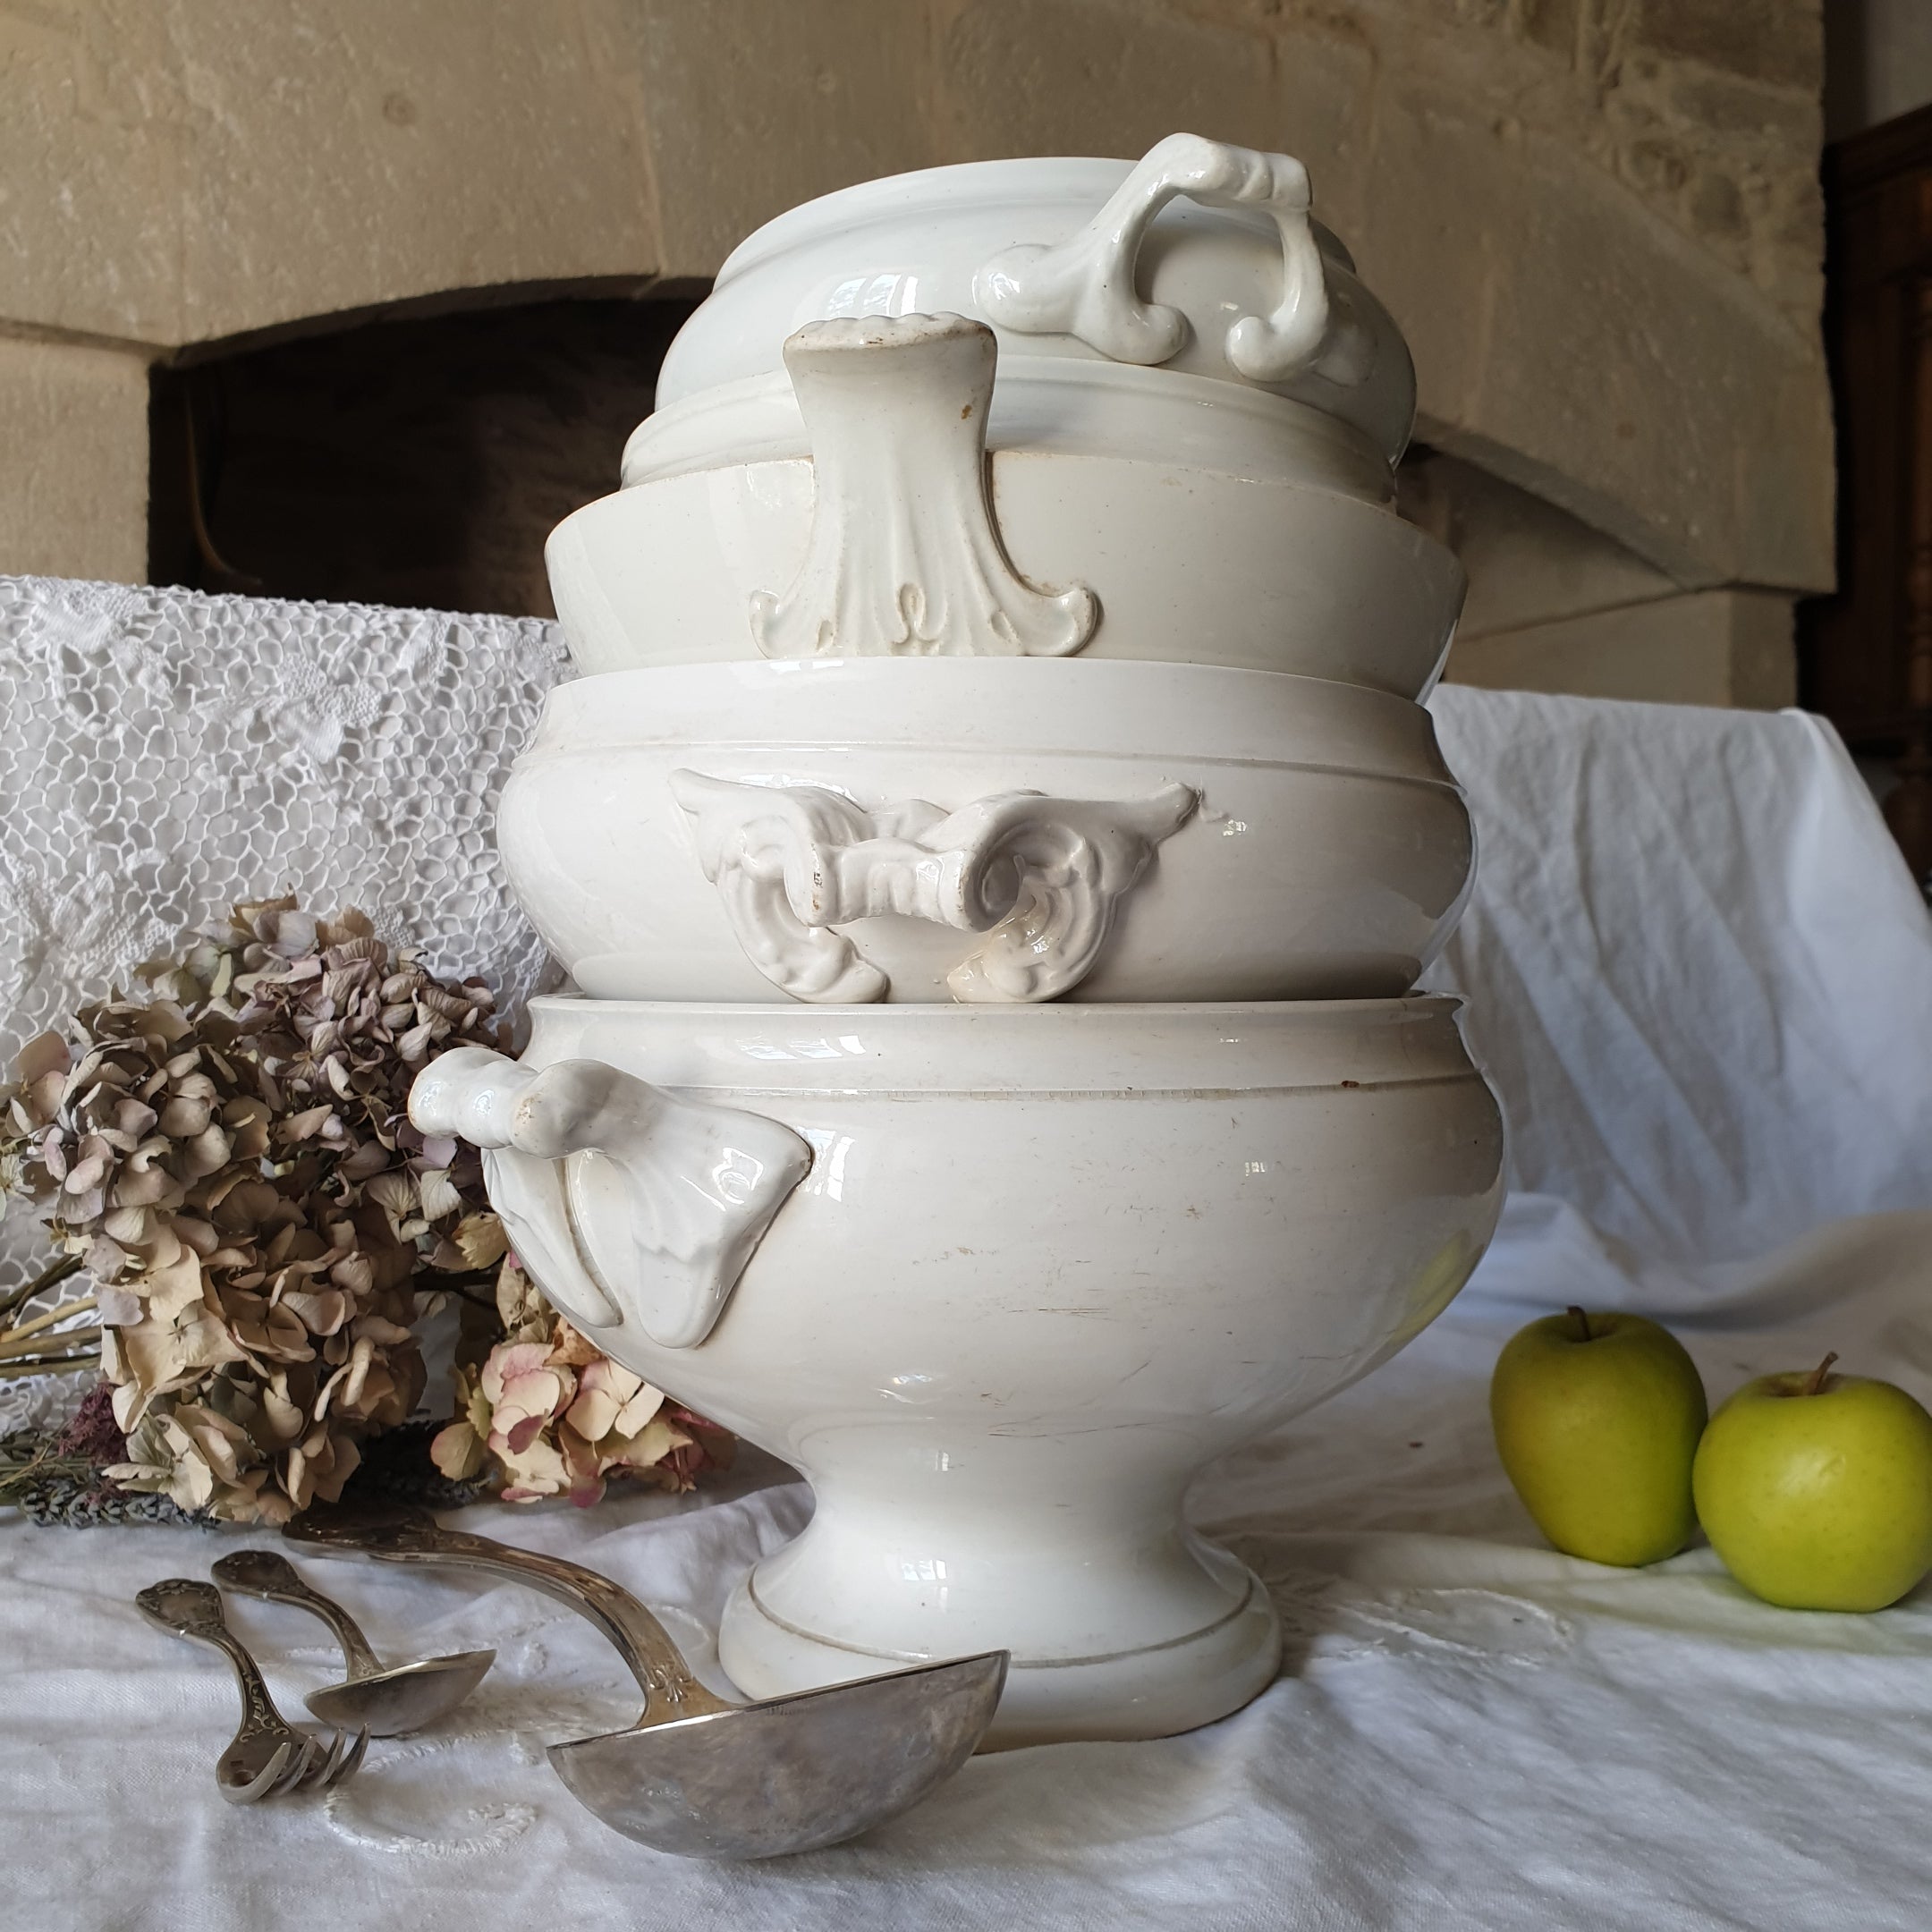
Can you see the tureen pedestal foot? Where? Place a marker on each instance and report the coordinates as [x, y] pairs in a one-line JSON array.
[[1156, 1692], [1122, 1622]]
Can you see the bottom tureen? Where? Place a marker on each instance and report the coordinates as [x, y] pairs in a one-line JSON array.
[[999, 1281]]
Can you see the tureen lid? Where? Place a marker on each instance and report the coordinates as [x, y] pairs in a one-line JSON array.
[[1200, 261]]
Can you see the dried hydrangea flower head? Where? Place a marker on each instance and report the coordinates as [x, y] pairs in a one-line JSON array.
[[233, 1159], [550, 1415]]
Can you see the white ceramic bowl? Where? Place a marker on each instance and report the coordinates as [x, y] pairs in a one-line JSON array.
[[1189, 565], [1056, 408], [999, 1283], [986, 830], [1198, 261]]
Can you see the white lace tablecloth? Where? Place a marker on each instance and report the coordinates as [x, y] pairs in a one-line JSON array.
[[1703, 984], [165, 755]]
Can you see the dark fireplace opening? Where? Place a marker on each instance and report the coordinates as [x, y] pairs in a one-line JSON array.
[[416, 462]]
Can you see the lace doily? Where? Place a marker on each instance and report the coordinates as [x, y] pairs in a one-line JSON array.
[[164, 754]]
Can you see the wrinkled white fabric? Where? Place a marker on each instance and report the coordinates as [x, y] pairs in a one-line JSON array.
[[1699, 974], [1699, 979], [1471, 1734]]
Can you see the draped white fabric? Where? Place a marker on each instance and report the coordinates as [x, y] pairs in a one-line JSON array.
[[1703, 984], [1698, 972]]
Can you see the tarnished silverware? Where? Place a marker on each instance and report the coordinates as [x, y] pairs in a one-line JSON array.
[[267, 1756], [385, 1699], [697, 1776]]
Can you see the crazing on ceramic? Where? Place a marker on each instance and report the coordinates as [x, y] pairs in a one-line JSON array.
[[1327, 858], [1045, 1263], [1037, 877], [905, 559]]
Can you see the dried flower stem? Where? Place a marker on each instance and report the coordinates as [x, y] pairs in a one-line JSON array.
[[46, 1278], [51, 1365], [12, 1339], [64, 1341]]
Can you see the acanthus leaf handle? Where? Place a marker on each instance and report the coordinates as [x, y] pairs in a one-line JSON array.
[[1038, 878], [905, 557], [629, 1202]]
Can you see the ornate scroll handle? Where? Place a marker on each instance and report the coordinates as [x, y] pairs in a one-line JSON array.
[[1084, 286], [609, 1179], [193, 1610], [401, 1533], [904, 558], [1039, 876]]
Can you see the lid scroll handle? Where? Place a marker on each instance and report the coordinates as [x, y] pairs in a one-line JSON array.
[[1085, 287]]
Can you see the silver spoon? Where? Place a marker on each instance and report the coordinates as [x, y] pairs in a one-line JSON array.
[[697, 1776], [268, 1755], [385, 1699]]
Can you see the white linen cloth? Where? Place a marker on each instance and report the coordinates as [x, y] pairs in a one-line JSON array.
[[1700, 981]]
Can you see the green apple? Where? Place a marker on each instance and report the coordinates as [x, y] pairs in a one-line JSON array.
[[1817, 1489], [1596, 1420]]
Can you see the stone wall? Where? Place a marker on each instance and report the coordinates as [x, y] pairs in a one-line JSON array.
[[1597, 220]]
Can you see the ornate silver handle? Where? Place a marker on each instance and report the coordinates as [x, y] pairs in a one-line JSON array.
[[625, 1201], [401, 1533], [273, 1579], [194, 1610], [1085, 287]]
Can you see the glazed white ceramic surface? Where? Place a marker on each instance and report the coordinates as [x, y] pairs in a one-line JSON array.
[[932, 829], [1190, 565], [903, 559], [1198, 261], [1050, 408], [998, 1281]]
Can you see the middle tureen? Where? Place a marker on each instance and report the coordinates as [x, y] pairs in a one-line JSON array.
[[852, 830]]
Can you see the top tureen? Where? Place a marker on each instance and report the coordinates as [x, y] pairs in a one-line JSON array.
[[1185, 305]]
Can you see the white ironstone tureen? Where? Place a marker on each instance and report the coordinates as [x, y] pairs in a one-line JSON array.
[[994, 883]]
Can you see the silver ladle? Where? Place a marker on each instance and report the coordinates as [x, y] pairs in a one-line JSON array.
[[697, 1776], [385, 1699]]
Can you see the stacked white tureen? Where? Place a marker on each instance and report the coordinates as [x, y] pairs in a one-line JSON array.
[[886, 744]]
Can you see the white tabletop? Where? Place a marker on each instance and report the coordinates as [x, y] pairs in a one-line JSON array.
[[1469, 1731]]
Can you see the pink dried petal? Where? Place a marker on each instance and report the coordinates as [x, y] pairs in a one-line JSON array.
[[507, 1360]]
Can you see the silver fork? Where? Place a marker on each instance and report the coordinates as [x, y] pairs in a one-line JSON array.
[[268, 1756]]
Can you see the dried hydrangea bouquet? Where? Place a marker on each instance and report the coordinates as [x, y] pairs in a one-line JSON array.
[[231, 1162]]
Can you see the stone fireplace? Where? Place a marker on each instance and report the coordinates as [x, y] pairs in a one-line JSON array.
[[1596, 221]]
